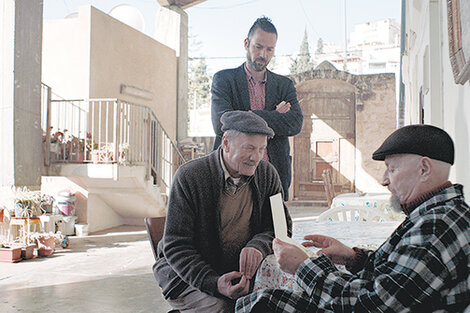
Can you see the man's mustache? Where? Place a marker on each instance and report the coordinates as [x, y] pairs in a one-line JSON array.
[[250, 163]]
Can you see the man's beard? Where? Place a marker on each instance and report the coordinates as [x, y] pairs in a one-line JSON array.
[[395, 203], [252, 64]]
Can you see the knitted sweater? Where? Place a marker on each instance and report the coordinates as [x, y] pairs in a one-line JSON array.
[[190, 251]]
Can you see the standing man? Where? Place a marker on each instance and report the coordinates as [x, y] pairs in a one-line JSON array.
[[424, 266], [251, 87], [219, 224]]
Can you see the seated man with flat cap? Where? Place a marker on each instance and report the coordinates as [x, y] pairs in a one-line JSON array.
[[219, 225], [423, 266]]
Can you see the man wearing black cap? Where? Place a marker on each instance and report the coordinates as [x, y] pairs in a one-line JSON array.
[[219, 224], [424, 266], [252, 87]]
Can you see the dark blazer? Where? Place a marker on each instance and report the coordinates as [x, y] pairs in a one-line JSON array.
[[230, 92]]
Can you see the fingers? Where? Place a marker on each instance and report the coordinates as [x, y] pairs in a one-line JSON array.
[[318, 241], [243, 261], [277, 245], [283, 107], [250, 259], [288, 256], [232, 275], [241, 288], [251, 269], [225, 287]]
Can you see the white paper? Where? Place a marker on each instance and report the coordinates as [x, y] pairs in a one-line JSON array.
[[280, 223], [279, 217]]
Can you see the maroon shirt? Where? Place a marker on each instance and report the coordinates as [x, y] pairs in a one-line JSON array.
[[257, 91]]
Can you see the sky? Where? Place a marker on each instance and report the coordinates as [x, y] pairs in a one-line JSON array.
[[222, 25]]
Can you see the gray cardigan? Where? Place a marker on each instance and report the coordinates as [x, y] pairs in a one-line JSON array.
[[190, 251]]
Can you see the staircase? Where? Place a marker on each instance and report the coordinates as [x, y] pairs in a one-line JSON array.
[[114, 154]]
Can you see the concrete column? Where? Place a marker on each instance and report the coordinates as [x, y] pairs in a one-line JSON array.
[[21, 157], [172, 30]]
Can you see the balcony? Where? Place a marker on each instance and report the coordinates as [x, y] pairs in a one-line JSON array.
[[115, 153]]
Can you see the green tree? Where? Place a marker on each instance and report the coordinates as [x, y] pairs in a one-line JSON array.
[[199, 79], [302, 62], [199, 84]]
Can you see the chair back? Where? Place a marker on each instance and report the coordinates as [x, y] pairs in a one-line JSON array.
[[329, 187], [155, 229]]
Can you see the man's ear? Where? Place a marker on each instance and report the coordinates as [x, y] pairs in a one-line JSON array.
[[425, 168], [225, 143], [246, 43]]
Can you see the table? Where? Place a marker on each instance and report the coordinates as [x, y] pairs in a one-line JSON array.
[[369, 235], [25, 223], [378, 201]]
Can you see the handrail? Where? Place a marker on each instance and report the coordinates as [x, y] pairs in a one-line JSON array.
[[108, 130]]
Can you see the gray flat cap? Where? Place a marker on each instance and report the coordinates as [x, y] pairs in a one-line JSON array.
[[245, 122], [424, 140]]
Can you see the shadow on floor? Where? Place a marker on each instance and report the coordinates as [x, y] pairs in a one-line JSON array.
[[126, 294]]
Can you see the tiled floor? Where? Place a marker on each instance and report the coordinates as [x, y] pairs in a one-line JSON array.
[[105, 272]]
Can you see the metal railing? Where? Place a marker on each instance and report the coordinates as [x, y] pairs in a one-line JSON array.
[[107, 131]]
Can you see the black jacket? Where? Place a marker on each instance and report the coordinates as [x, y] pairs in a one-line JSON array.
[[230, 92]]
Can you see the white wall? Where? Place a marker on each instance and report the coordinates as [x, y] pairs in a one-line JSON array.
[[93, 54], [427, 67]]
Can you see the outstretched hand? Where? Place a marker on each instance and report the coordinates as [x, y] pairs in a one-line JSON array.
[[288, 256], [225, 287], [332, 248]]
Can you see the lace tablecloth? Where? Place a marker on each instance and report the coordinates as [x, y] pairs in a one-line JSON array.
[[369, 235]]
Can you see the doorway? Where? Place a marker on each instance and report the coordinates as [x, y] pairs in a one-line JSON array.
[[327, 140]]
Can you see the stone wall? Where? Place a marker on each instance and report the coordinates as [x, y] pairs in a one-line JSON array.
[[375, 116]]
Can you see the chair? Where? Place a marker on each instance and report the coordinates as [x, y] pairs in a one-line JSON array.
[[329, 187], [155, 228], [352, 214]]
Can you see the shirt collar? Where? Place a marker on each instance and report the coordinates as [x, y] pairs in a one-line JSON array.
[[409, 207], [250, 77]]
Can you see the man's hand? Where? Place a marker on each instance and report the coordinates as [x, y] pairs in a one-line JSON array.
[[250, 259], [283, 107], [225, 287], [332, 248], [288, 256]]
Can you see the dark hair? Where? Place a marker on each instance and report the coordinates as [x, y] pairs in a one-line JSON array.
[[265, 24]]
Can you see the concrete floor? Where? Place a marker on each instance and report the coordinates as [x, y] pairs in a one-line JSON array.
[[109, 271]]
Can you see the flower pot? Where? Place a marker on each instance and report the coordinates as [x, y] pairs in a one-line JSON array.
[[27, 252], [46, 242], [10, 255], [45, 252]]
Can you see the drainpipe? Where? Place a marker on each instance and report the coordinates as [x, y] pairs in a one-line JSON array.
[[401, 97]]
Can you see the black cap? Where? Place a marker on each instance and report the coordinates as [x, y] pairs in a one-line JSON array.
[[245, 122], [424, 140]]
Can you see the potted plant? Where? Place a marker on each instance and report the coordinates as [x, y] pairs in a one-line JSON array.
[[27, 203], [9, 254], [46, 242]]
